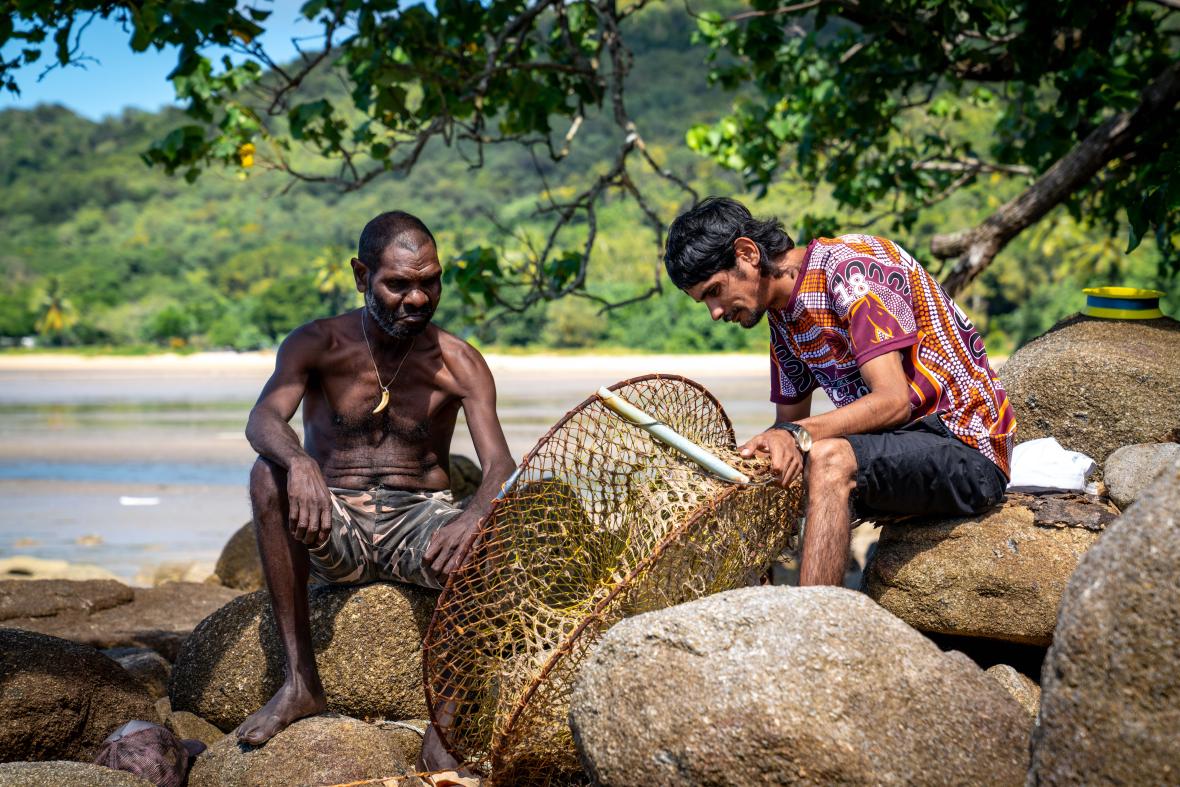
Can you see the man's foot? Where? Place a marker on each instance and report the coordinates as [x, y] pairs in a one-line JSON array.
[[293, 701], [434, 755]]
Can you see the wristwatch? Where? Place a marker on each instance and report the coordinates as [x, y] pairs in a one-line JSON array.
[[801, 435]]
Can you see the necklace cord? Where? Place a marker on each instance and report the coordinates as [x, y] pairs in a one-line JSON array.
[[373, 359]]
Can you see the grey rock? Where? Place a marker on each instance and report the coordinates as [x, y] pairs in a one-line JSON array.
[[63, 773], [999, 575], [1096, 385], [324, 749], [1022, 688], [158, 618], [60, 699], [1110, 707], [779, 685], [146, 666], [1131, 468], [368, 645]]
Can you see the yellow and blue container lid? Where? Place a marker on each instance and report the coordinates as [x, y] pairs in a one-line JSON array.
[[1122, 303]]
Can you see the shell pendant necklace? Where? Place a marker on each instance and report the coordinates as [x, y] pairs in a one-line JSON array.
[[384, 386]]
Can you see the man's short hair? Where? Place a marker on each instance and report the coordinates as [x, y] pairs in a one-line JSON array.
[[700, 241], [393, 228]]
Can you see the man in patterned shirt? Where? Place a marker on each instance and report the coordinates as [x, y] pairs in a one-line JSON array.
[[922, 424]]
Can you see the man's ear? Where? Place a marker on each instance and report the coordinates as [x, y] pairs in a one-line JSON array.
[[746, 255], [360, 272]]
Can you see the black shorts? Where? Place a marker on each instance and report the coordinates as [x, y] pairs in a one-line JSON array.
[[923, 469]]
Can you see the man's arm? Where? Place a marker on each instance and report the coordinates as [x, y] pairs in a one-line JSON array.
[[450, 544], [887, 404], [270, 434]]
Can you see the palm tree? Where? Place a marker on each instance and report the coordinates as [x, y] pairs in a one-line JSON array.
[[57, 314]]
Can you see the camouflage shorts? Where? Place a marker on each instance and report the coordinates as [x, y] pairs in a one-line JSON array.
[[381, 534]]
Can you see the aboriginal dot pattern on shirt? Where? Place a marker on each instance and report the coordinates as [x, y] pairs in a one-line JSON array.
[[858, 297]]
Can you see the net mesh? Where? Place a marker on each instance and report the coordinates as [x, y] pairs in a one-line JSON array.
[[602, 523]]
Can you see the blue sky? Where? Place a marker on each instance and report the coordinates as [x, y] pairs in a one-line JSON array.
[[122, 78]]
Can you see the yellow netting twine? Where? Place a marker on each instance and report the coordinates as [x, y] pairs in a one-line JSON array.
[[602, 523]]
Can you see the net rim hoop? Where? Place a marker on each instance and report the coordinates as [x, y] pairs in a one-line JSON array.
[[560, 652]]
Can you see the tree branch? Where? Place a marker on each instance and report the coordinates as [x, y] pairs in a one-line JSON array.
[[786, 9], [977, 247]]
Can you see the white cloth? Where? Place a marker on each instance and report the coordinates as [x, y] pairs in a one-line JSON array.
[[1044, 462]]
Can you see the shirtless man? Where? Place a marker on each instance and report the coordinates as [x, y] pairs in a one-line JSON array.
[[365, 497]]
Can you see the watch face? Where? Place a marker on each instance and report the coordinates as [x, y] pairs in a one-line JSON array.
[[804, 439]]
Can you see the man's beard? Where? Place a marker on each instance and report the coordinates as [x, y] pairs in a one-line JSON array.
[[389, 321], [750, 318]]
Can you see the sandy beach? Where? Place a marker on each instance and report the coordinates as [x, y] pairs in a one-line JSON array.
[[539, 366]]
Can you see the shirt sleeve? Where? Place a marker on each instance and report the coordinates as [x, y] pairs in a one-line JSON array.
[[880, 319], [790, 380]]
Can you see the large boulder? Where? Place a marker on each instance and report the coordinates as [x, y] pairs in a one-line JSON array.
[[1110, 707], [779, 685], [64, 773], [23, 598], [368, 644], [157, 618], [1096, 385], [321, 750], [1130, 469], [60, 699], [999, 575]]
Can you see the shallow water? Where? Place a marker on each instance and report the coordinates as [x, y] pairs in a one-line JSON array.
[[129, 469]]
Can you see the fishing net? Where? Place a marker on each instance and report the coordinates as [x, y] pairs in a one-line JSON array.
[[602, 522]]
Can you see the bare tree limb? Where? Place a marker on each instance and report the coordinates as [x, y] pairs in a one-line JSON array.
[[974, 166], [977, 247], [786, 9]]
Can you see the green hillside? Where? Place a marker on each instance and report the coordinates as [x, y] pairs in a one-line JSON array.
[[98, 249]]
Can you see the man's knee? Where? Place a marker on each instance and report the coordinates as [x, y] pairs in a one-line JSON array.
[[267, 484], [832, 463]]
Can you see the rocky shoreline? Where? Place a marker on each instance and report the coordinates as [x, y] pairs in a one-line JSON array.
[[1038, 643]]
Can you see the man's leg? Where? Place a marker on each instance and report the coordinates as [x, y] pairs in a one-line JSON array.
[[285, 563], [830, 477]]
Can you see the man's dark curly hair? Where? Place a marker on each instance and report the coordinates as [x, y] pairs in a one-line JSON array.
[[700, 241], [393, 228]]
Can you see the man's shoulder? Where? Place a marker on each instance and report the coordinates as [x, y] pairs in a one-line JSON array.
[[854, 244], [318, 335], [457, 349]]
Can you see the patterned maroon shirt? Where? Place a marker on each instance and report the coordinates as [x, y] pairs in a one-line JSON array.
[[858, 297]]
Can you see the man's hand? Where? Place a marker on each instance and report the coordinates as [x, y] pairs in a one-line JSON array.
[[310, 515], [449, 545], [785, 459]]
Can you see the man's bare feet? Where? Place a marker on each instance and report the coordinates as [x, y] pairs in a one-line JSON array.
[[434, 755], [293, 701]]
